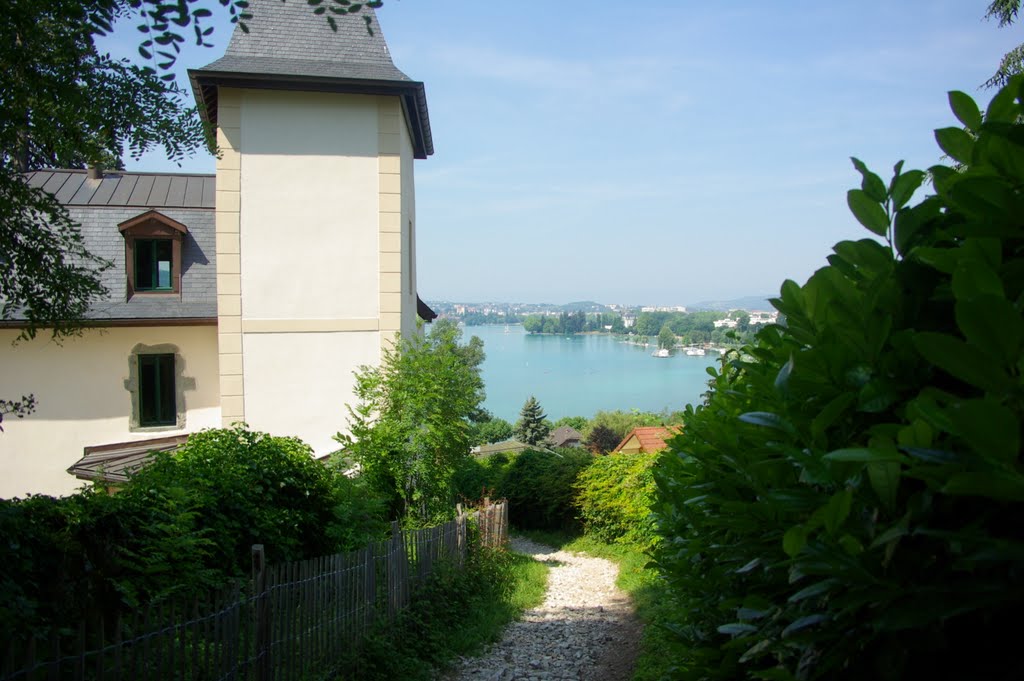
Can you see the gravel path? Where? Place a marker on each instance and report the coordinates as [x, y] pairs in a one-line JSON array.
[[585, 629]]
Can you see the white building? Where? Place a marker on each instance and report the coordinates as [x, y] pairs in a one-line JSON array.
[[250, 296]]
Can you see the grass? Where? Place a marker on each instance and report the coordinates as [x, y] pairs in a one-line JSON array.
[[456, 613], [650, 597]]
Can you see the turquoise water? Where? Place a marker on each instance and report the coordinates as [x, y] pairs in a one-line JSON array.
[[579, 375]]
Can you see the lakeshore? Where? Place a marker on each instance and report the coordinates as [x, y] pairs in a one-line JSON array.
[[581, 374]]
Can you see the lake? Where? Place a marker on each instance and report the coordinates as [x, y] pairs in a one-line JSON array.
[[580, 375]]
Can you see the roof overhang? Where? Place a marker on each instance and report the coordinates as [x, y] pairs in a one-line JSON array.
[[423, 311], [115, 463], [205, 85]]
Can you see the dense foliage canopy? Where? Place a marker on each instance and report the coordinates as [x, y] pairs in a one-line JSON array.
[[847, 503]]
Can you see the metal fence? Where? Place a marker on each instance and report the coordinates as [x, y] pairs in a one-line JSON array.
[[299, 620]]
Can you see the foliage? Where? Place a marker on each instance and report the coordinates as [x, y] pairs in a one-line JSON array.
[[539, 487], [578, 423], [602, 439], [621, 422], [455, 613], [845, 505], [666, 339], [489, 429], [20, 408], [182, 525], [479, 477], [1013, 61], [411, 426], [532, 429], [614, 497]]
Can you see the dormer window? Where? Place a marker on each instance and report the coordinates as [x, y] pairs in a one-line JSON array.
[[152, 243]]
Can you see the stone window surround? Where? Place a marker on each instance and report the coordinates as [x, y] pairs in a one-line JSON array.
[[181, 384]]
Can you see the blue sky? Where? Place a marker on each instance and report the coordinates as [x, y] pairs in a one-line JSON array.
[[662, 152]]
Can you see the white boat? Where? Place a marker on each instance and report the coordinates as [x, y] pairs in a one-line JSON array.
[[698, 352], [661, 353]]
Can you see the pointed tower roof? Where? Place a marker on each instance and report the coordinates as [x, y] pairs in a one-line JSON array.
[[289, 48]]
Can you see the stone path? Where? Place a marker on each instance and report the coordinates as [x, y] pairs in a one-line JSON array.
[[585, 629]]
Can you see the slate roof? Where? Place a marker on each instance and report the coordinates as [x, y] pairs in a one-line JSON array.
[[99, 206], [560, 437], [651, 438], [288, 47]]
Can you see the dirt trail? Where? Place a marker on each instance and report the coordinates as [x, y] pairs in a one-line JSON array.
[[584, 629]]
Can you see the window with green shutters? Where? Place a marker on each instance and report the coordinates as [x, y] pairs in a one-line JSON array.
[[156, 391], [154, 264]]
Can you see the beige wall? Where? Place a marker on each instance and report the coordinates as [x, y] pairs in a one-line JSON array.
[[309, 208], [298, 383], [83, 400], [409, 316], [313, 202]]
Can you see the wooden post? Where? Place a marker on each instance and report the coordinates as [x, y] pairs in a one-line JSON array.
[[263, 640]]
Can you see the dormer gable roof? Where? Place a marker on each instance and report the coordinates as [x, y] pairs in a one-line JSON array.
[[287, 47]]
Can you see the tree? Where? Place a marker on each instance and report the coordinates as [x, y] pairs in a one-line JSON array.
[[491, 430], [1013, 61], [531, 428], [534, 323], [602, 439], [576, 422], [411, 426], [666, 339]]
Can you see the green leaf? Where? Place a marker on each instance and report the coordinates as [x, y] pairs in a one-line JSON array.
[[766, 419], [1001, 486], [863, 455], [794, 540], [1002, 108], [965, 109], [955, 142], [782, 379], [960, 360], [830, 412], [974, 277], [737, 629], [851, 545], [868, 212], [991, 430], [803, 623], [749, 566], [837, 510], [884, 477], [815, 589], [904, 186], [983, 196], [871, 183], [993, 325]]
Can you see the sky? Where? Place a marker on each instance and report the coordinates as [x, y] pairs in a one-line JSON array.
[[663, 152]]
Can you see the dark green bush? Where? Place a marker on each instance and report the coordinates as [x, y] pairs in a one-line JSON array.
[[182, 525], [539, 488], [848, 503], [614, 497], [476, 477]]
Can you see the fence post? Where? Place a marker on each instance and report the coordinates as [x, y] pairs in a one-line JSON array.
[[460, 535], [394, 572], [259, 588]]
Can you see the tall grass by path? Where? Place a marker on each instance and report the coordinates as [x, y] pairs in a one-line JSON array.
[[648, 592], [456, 613]]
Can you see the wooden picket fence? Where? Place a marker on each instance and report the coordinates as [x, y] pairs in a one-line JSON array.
[[300, 620]]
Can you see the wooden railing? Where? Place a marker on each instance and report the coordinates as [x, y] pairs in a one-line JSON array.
[[299, 620]]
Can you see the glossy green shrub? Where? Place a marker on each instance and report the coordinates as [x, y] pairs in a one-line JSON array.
[[848, 503], [477, 477], [539, 488], [614, 498]]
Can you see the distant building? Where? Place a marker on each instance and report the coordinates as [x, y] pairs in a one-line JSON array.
[[646, 439], [565, 436], [763, 317], [726, 323]]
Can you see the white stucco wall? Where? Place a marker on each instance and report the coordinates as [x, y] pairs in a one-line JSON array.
[[309, 238], [83, 401], [299, 383]]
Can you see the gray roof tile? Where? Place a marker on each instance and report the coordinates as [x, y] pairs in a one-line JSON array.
[[99, 206]]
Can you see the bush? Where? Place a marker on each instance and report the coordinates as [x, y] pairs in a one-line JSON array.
[[847, 503], [476, 478], [615, 495], [183, 525], [539, 488]]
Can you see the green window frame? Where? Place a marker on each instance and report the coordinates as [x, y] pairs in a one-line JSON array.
[[157, 405], [154, 265]]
